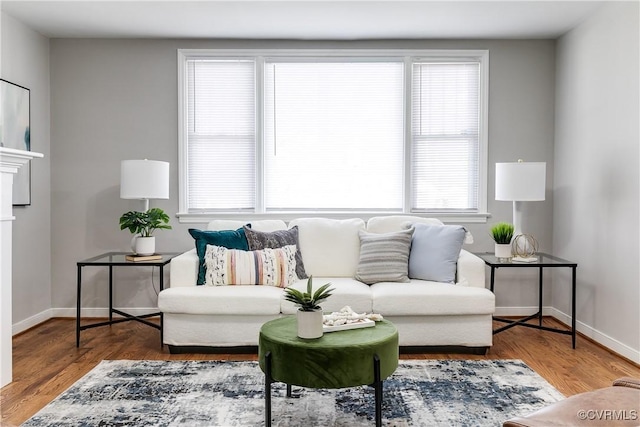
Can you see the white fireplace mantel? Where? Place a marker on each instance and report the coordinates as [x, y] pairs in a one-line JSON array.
[[10, 161]]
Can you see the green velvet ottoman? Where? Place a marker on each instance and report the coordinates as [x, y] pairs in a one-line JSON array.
[[350, 358]]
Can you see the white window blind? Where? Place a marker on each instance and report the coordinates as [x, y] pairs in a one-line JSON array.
[[221, 134], [334, 135], [293, 131], [445, 136]]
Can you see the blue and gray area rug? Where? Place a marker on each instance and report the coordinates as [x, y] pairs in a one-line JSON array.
[[211, 393]]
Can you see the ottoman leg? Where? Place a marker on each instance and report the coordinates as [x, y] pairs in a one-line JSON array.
[[267, 389], [377, 386]]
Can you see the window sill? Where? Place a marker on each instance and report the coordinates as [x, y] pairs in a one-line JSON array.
[[447, 218]]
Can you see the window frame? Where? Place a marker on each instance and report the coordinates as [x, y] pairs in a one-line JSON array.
[[407, 56]]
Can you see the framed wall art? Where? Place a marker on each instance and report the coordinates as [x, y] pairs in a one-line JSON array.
[[15, 132]]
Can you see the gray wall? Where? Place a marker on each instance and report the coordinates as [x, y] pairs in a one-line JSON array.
[[25, 61], [596, 188], [117, 99]]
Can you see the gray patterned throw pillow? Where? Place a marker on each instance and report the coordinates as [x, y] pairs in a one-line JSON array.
[[258, 240], [384, 257]]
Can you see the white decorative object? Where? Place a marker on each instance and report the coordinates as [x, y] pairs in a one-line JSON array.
[[309, 324], [520, 182], [11, 160], [144, 245], [346, 318], [364, 323], [503, 251]]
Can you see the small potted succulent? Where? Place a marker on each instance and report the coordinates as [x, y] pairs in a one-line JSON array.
[[502, 234], [142, 225], [309, 315]]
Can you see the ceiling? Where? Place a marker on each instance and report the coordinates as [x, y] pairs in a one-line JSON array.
[[300, 19]]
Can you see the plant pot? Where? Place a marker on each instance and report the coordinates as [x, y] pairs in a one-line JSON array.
[[144, 245], [503, 251], [309, 324]]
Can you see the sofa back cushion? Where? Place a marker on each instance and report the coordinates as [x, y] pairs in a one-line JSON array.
[[391, 223], [233, 224], [330, 247]]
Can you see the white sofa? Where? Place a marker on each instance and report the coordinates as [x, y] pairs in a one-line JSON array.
[[425, 313]]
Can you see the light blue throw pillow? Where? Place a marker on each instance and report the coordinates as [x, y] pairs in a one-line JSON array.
[[434, 252]]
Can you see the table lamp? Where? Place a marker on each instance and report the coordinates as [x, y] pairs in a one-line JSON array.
[[520, 182], [144, 179]]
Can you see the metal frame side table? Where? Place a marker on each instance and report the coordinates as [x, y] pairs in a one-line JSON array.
[[117, 259], [544, 260]]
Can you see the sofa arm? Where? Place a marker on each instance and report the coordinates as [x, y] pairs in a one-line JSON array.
[[627, 382], [470, 270], [184, 269]]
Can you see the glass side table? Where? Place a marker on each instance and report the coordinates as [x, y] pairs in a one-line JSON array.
[[118, 259], [544, 261]]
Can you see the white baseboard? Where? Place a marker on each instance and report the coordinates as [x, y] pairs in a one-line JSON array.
[[588, 331], [71, 312], [599, 337], [32, 321], [101, 311], [521, 311]]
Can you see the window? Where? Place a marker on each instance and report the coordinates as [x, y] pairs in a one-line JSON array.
[[332, 131]]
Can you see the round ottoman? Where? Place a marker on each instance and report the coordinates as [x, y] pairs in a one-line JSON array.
[[349, 358]]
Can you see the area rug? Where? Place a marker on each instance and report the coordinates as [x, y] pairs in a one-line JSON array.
[[216, 393]]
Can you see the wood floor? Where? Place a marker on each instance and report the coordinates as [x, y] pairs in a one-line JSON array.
[[46, 361]]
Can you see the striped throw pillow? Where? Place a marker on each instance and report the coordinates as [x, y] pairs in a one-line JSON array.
[[271, 267], [384, 257]]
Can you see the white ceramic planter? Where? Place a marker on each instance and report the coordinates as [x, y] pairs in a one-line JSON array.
[[309, 324], [503, 251], [145, 245]]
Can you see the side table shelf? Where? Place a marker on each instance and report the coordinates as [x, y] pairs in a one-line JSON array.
[[118, 259], [544, 261]]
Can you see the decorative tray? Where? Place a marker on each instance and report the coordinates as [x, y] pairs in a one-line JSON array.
[[365, 323]]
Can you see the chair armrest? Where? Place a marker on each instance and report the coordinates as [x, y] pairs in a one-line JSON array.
[[627, 382], [184, 270], [470, 270]]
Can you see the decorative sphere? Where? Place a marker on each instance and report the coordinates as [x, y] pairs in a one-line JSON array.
[[524, 245]]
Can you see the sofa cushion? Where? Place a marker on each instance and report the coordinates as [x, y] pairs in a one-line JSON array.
[[329, 247], [423, 298], [233, 300], [346, 291], [232, 239], [434, 252], [391, 223], [270, 267], [384, 257], [260, 225], [276, 239]]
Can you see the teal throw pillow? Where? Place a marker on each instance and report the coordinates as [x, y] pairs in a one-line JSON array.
[[230, 239]]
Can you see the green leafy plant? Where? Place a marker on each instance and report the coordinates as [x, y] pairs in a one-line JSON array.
[[145, 223], [502, 233], [308, 301]]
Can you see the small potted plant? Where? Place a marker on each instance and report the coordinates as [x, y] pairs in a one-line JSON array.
[[502, 234], [142, 225], [309, 315]]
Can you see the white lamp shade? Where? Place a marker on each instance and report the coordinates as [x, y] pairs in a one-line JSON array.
[[144, 179], [520, 181]]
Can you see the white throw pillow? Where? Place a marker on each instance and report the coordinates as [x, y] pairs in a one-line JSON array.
[[270, 267]]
